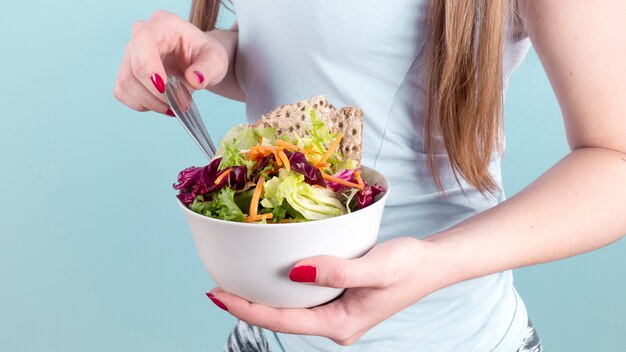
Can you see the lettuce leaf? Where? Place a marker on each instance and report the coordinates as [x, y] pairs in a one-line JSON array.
[[319, 133], [313, 203], [243, 200], [242, 137], [233, 157], [220, 206]]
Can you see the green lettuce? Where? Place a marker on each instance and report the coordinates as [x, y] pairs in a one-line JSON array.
[[319, 133], [221, 206], [232, 156], [311, 202], [243, 137]]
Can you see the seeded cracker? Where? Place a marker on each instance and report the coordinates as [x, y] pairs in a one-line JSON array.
[[295, 118]]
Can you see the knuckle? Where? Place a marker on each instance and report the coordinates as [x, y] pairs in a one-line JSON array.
[[118, 93], [279, 328], [122, 82], [137, 26], [347, 338], [161, 15], [387, 276], [347, 341], [154, 106], [141, 68], [338, 277]]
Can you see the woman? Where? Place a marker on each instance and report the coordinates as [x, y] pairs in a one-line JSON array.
[[430, 77]]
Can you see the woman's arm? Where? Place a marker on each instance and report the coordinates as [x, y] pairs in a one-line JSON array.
[[580, 203], [228, 87]]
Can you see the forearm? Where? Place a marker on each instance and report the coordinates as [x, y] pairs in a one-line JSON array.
[[576, 206], [228, 87]]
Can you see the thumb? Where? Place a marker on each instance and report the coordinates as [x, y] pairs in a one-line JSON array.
[[336, 272], [209, 65]]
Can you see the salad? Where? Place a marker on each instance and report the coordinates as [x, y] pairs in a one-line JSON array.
[[259, 177]]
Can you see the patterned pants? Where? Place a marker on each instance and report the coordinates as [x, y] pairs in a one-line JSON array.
[[248, 338]]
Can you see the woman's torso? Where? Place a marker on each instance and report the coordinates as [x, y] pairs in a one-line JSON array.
[[370, 54]]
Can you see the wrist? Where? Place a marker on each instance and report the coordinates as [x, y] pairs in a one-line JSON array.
[[443, 256]]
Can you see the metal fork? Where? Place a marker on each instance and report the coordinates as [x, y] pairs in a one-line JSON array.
[[179, 99]]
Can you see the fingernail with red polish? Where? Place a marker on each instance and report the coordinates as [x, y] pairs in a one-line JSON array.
[[304, 273], [216, 301], [158, 82], [200, 76], [169, 112]]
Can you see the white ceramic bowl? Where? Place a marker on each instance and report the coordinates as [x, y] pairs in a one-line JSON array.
[[253, 260]]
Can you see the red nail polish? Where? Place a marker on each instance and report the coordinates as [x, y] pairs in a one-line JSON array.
[[169, 112], [158, 82], [200, 76], [304, 273], [216, 301]]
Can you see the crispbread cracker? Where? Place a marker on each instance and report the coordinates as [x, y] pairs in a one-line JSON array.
[[294, 118]]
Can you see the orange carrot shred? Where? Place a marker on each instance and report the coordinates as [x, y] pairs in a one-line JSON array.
[[342, 182], [258, 217], [333, 146], [359, 180], [311, 150], [277, 158], [287, 145], [222, 176], [284, 159], [254, 203]]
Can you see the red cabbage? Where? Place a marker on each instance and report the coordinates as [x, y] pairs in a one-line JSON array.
[[238, 178], [262, 165], [194, 181], [299, 164], [365, 197], [346, 175]]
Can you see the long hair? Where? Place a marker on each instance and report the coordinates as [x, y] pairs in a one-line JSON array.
[[465, 88]]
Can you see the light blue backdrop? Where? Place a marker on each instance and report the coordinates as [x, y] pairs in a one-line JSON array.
[[96, 256]]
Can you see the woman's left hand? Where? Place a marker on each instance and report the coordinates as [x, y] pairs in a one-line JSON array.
[[390, 277]]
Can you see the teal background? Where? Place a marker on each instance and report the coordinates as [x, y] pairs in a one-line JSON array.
[[96, 256]]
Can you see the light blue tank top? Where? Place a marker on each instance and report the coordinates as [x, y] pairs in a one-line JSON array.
[[369, 54]]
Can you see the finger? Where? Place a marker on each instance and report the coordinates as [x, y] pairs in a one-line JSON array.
[[302, 321], [145, 61], [139, 93], [132, 93], [131, 103], [336, 272], [209, 65]]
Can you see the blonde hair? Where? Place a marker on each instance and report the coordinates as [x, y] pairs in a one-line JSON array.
[[465, 88]]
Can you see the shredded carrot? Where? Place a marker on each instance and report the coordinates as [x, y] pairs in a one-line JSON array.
[[287, 145], [259, 152], [322, 165], [284, 159], [277, 158], [341, 182], [258, 217], [311, 150], [222, 176], [254, 203], [333, 146], [359, 180]]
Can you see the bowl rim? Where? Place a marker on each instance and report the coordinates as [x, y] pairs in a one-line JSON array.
[[254, 224]]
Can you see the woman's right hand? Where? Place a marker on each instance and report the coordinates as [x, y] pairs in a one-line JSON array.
[[167, 43]]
